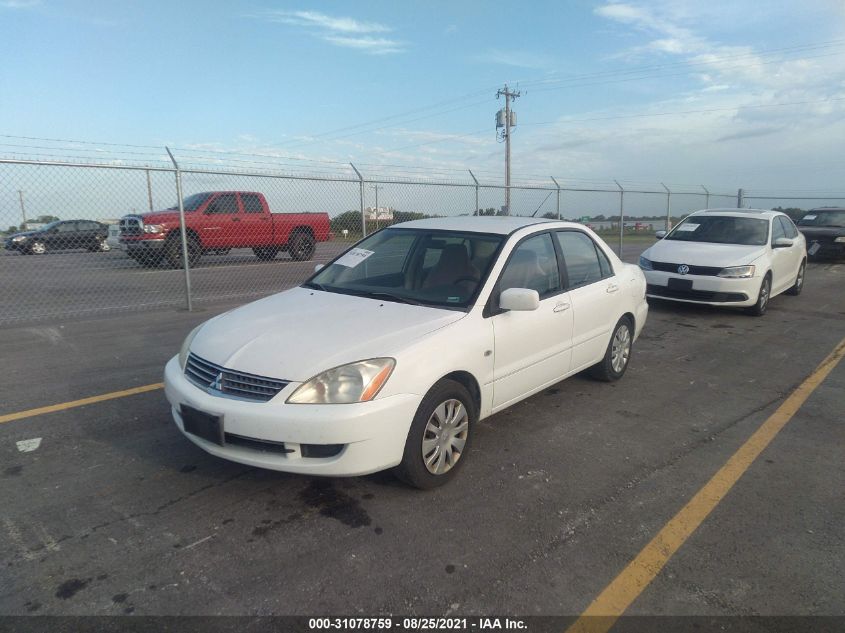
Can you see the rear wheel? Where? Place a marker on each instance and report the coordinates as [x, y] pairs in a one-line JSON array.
[[439, 436], [301, 246], [618, 354], [266, 253], [798, 286], [759, 308]]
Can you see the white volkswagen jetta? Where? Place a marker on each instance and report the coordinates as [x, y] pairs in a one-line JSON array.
[[727, 257], [390, 354]]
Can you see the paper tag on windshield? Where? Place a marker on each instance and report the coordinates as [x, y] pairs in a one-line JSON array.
[[354, 257], [809, 217], [814, 248], [688, 227]]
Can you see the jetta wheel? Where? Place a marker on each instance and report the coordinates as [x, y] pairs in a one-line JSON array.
[[798, 286], [759, 308], [439, 436], [618, 353]]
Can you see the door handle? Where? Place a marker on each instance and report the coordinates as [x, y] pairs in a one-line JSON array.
[[236, 219], [561, 307], [612, 288]]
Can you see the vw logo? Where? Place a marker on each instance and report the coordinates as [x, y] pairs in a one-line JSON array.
[[217, 383], [683, 269]]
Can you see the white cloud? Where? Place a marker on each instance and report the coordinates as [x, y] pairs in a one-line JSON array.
[[515, 58], [19, 4], [344, 32]]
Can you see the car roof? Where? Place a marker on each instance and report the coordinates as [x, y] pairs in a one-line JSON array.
[[823, 209], [500, 224], [759, 213]]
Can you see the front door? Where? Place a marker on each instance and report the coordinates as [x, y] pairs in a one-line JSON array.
[[221, 228], [532, 348]]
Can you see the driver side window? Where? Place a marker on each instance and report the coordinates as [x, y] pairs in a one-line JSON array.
[[533, 265], [226, 205], [777, 229]]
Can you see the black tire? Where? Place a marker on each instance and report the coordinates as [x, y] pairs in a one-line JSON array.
[[101, 246], [763, 296], [173, 251], [413, 470], [798, 286], [301, 246], [617, 356], [266, 253], [37, 248]]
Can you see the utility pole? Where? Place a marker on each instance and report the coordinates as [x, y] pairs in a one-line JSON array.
[[23, 210], [508, 122], [376, 188]]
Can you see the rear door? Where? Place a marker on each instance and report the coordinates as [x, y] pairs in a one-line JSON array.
[[594, 294], [65, 237], [256, 224]]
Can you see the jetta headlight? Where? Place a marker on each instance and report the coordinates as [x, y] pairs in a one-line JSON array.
[[737, 272], [153, 228], [186, 347], [645, 264], [355, 382]]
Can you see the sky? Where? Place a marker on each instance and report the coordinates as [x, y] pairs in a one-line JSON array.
[[726, 93]]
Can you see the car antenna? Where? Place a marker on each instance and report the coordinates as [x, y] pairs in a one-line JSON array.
[[542, 203]]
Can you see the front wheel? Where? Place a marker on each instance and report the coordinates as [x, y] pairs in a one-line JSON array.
[[439, 436], [798, 286], [617, 355], [38, 248], [759, 308]]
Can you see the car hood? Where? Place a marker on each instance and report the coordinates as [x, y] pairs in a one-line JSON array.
[[703, 253], [299, 333], [822, 231], [25, 233]]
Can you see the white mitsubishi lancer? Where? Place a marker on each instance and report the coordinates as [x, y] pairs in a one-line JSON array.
[[727, 257], [389, 355]]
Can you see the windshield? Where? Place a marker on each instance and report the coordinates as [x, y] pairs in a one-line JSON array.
[[722, 229], [47, 227], [419, 266], [194, 202], [823, 218]]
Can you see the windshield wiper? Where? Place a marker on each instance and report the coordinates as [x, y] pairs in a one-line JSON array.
[[392, 297], [315, 286]]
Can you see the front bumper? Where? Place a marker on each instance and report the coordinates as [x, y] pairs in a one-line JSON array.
[[145, 246], [706, 289], [372, 433]]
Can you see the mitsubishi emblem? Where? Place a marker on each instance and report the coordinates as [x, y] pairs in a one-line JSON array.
[[218, 382]]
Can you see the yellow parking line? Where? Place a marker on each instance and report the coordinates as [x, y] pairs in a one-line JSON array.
[[602, 613], [20, 415]]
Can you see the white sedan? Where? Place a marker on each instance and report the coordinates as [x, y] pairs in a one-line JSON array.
[[727, 257], [389, 355]]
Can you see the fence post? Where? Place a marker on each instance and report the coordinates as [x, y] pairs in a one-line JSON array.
[[149, 191], [558, 196], [361, 188], [621, 216], [740, 197], [668, 208], [707, 197], [185, 265], [476, 191]]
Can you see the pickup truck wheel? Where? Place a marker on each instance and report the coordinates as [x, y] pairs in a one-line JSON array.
[[173, 251], [266, 253], [301, 246]]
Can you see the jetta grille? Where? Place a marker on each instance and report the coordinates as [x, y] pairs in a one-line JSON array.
[[218, 380], [693, 270]]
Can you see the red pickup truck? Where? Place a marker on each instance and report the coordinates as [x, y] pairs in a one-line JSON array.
[[216, 221]]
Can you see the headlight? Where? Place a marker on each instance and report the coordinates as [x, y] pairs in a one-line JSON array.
[[153, 228], [737, 272], [645, 264], [19, 238], [840, 240], [355, 382], [186, 346]]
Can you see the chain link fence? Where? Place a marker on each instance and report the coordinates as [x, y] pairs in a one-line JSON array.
[[84, 238]]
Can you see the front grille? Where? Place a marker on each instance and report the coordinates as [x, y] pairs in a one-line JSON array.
[[693, 270], [695, 295], [218, 380], [131, 225]]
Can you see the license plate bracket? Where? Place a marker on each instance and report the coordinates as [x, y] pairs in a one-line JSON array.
[[204, 425], [679, 284]]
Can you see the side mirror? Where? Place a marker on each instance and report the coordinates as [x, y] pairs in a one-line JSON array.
[[659, 235], [783, 242], [519, 299], [318, 268]]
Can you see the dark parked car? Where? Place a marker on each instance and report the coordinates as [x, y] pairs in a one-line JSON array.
[[61, 235], [824, 229]]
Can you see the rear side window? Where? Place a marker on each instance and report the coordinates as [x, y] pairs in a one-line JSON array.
[[67, 227], [585, 263], [252, 203]]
